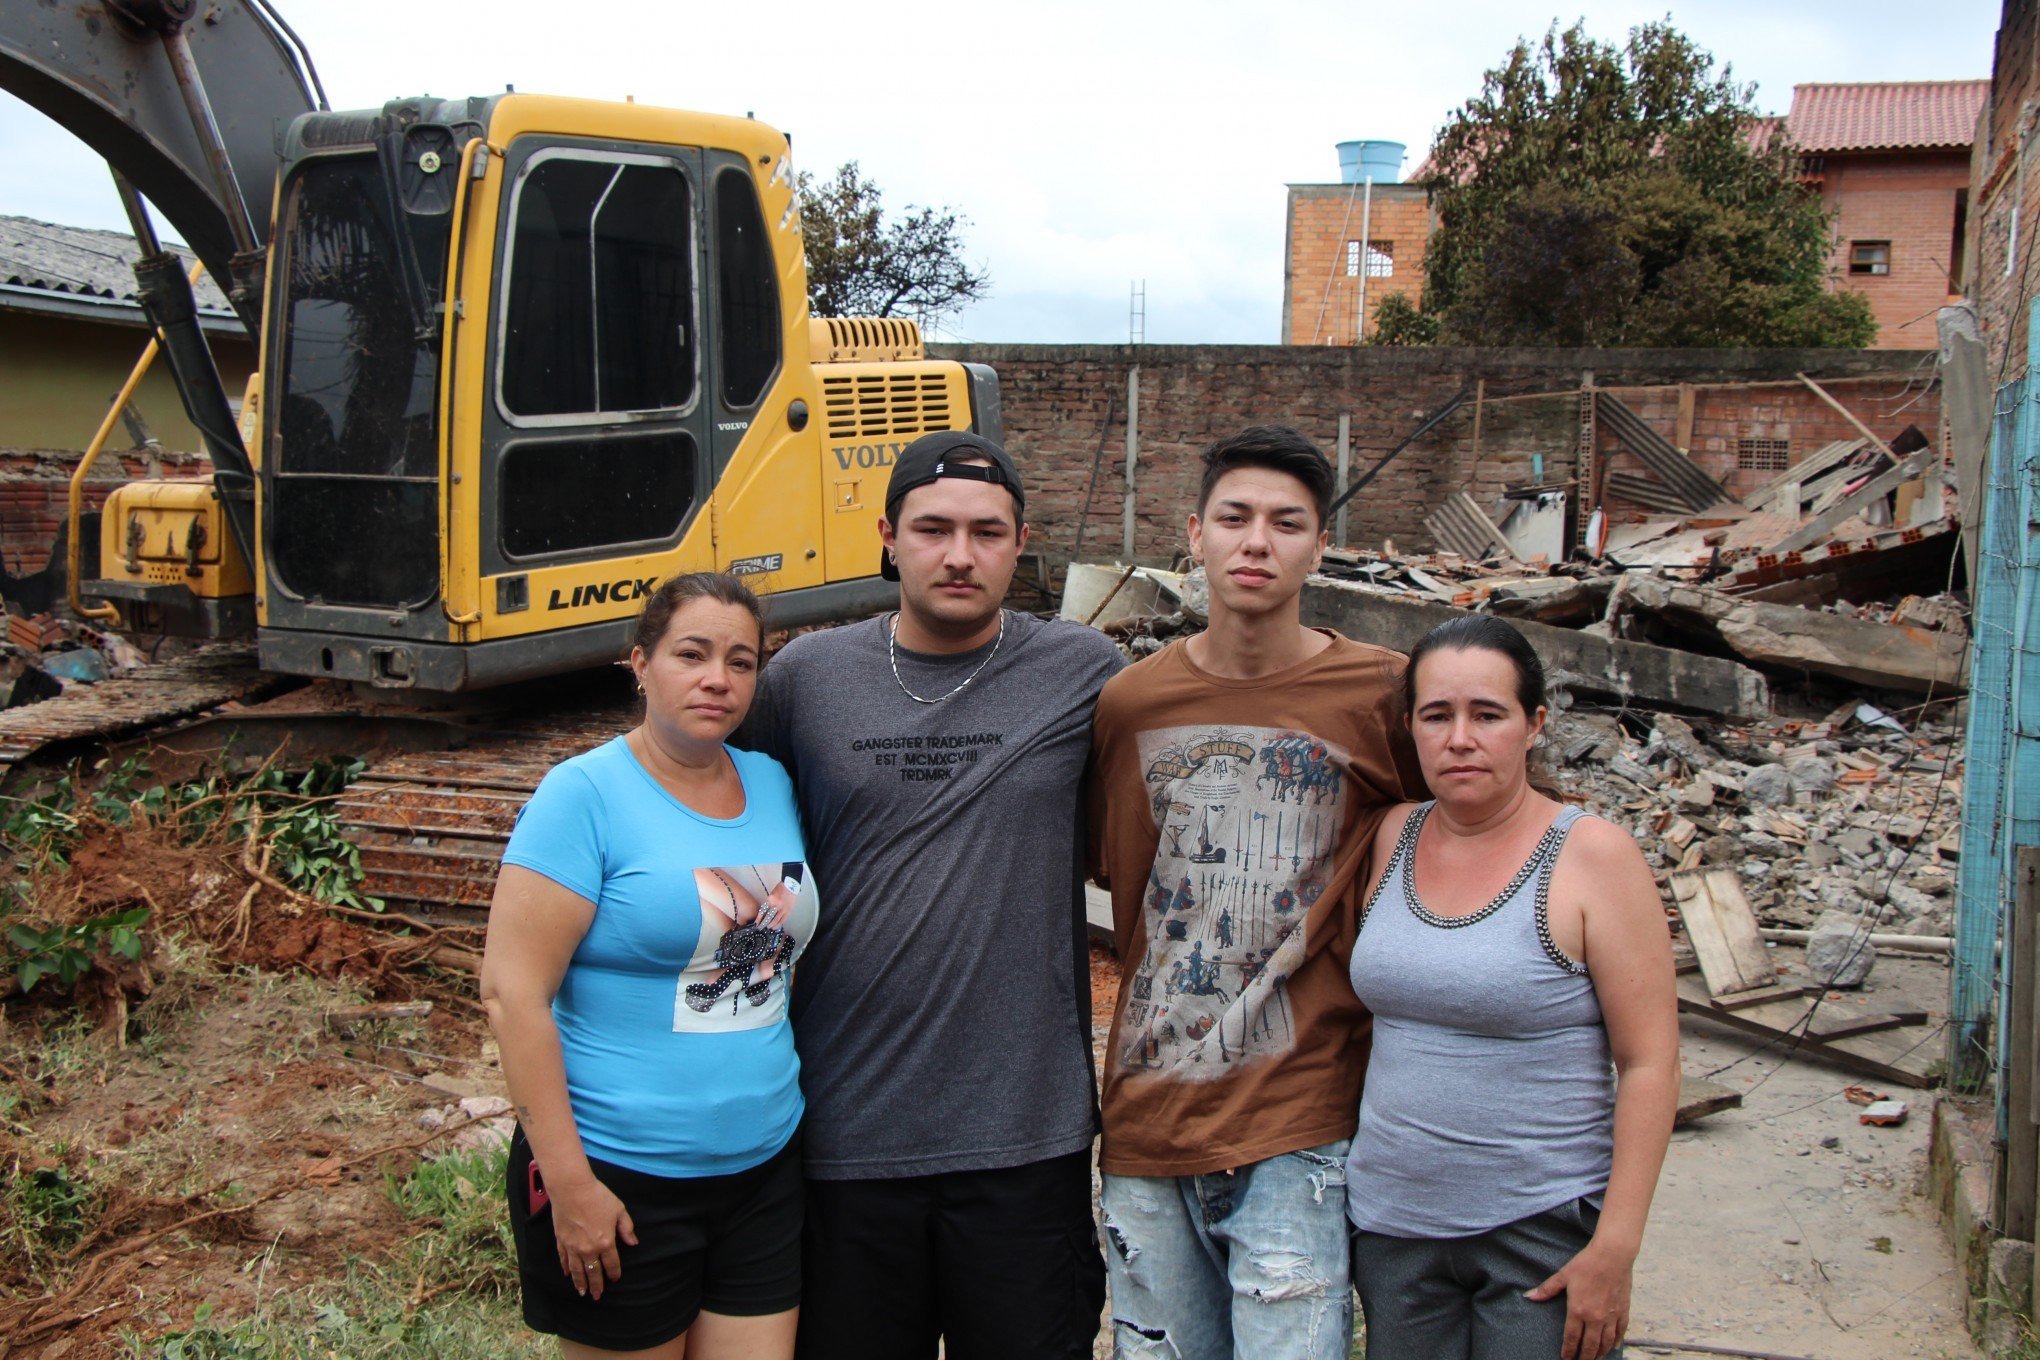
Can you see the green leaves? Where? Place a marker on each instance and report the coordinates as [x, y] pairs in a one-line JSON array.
[[291, 812], [1598, 195], [67, 952], [862, 264]]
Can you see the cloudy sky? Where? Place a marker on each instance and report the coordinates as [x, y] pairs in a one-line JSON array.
[[1091, 144]]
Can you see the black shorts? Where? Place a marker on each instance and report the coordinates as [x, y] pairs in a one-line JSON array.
[[724, 1244], [989, 1265]]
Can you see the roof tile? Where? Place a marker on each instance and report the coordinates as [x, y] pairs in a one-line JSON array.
[[83, 262], [1887, 116]]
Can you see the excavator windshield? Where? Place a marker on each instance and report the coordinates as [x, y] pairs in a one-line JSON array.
[[354, 459]]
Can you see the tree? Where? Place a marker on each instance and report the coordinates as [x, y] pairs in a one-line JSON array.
[[1397, 321], [1591, 195], [860, 264]]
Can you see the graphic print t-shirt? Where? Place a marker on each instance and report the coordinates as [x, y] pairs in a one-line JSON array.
[[673, 1011], [1233, 821]]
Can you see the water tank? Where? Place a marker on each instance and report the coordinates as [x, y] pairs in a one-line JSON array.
[[1378, 161]]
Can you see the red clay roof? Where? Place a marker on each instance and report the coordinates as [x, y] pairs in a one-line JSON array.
[[1875, 117]]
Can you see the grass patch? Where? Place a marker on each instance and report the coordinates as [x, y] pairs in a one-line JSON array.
[[458, 1201], [46, 1205], [364, 1317], [448, 1292]]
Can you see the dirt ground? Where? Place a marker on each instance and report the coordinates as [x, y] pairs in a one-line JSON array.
[[1762, 1237], [225, 1080], [1765, 1238]]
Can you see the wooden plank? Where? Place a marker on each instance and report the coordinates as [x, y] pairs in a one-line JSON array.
[[1849, 416], [1817, 527], [1888, 1056], [2017, 1212], [1823, 458], [1723, 932], [1870, 1024], [1699, 1097], [1760, 996]]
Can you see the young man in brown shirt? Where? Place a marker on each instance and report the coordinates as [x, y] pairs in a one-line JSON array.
[[1238, 779]]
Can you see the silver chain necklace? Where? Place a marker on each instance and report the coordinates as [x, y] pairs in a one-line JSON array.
[[892, 654]]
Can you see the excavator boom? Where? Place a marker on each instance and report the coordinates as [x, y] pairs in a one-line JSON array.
[[110, 74]]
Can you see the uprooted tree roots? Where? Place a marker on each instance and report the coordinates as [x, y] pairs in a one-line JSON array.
[[255, 870], [131, 904]]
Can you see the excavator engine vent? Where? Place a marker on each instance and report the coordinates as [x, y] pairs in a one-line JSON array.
[[870, 406], [864, 339]]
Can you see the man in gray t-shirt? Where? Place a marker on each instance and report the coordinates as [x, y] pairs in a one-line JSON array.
[[942, 1010]]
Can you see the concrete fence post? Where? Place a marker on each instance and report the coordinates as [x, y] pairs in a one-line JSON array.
[[1132, 458]]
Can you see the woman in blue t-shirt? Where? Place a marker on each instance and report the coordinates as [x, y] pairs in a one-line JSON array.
[[652, 901]]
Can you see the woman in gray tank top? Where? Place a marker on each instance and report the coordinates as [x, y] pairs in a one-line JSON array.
[[1526, 1052]]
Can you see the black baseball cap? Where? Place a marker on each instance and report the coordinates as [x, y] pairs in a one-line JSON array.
[[943, 454]]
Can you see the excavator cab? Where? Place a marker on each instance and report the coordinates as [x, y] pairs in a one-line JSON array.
[[522, 357]]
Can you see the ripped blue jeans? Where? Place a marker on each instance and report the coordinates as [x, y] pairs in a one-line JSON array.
[[1247, 1263]]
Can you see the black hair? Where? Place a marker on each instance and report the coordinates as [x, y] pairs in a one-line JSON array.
[[1485, 633], [1279, 448], [663, 603]]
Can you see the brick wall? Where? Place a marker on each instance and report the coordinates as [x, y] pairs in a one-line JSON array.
[[2005, 170], [1065, 413], [35, 494], [1320, 299], [1725, 416], [1910, 201]]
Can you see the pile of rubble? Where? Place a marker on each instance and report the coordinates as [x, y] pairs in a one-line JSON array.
[[42, 655], [1856, 812]]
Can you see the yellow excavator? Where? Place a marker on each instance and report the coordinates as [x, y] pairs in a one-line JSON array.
[[520, 357]]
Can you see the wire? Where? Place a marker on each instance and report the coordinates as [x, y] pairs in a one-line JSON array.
[[1932, 1034]]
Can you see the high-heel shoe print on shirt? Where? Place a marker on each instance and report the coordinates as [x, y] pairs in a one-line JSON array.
[[755, 919]]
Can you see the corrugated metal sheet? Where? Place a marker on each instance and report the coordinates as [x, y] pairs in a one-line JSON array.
[[1460, 526], [1648, 492], [1697, 490]]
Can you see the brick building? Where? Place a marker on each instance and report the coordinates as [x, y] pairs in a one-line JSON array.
[[2005, 170], [1350, 246], [1891, 162]]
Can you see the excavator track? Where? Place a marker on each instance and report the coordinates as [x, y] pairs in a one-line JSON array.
[[430, 814], [431, 825], [37, 738]]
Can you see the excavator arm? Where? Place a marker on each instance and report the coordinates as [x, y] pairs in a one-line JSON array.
[[141, 81]]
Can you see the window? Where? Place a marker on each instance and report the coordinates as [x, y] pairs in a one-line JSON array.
[[1869, 257], [1380, 259], [565, 495], [1763, 455], [1956, 247], [353, 508], [747, 294], [602, 288]]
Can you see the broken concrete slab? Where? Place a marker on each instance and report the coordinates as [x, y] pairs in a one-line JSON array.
[[1552, 599], [1595, 666], [1879, 654]]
